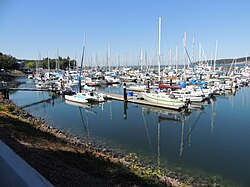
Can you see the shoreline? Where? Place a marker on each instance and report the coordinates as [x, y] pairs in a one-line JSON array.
[[75, 145]]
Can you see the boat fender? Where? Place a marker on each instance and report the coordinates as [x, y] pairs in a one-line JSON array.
[[172, 96]]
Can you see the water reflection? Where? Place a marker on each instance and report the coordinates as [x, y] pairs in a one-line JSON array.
[[125, 107], [85, 125], [213, 114], [170, 117], [87, 108]]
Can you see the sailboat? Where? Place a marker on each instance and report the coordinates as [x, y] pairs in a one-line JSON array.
[[76, 98], [85, 95], [158, 97]]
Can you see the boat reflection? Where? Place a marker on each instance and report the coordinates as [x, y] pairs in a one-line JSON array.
[[167, 117], [85, 123], [173, 116], [166, 114], [87, 106]]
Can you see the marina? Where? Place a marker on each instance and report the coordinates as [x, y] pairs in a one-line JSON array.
[[126, 93], [201, 142]]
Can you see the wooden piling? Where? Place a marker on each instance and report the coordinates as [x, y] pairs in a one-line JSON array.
[[125, 93], [4, 89]]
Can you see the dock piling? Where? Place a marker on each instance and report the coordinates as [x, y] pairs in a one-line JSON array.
[[6, 94], [125, 110], [147, 84], [4, 89], [125, 93]]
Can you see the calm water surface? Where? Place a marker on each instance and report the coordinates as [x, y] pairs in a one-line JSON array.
[[210, 142]]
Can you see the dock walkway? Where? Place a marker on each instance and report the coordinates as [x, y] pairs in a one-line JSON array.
[[14, 171], [29, 89], [131, 99]]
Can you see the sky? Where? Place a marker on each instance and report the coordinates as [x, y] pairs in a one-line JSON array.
[[30, 28]]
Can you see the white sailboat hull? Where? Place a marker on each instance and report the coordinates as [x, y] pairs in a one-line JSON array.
[[163, 99], [76, 98]]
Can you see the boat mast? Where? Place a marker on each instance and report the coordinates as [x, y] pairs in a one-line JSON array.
[[246, 59], [37, 62], [216, 50], [108, 58], [57, 62], [176, 58], [184, 50], [159, 51], [48, 63], [141, 57], [193, 51], [146, 61], [170, 59], [74, 63], [69, 64], [83, 57]]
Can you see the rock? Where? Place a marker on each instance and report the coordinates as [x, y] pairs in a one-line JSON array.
[[185, 177], [124, 162], [179, 169], [114, 160]]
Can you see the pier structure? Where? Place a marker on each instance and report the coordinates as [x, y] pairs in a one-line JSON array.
[[132, 99], [29, 89]]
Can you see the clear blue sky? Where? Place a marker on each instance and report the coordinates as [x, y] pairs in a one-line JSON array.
[[29, 26]]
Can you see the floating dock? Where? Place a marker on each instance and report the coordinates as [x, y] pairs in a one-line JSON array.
[[131, 99], [29, 89]]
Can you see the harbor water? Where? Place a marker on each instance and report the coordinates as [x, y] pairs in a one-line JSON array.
[[211, 141]]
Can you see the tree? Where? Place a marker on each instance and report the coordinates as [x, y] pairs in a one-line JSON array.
[[7, 61], [30, 64]]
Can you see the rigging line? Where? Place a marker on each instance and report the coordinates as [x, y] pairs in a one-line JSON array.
[[84, 125], [87, 124], [146, 128], [193, 68], [190, 132], [158, 143]]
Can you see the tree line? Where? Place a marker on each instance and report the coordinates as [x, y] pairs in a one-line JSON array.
[[10, 62], [48, 63]]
